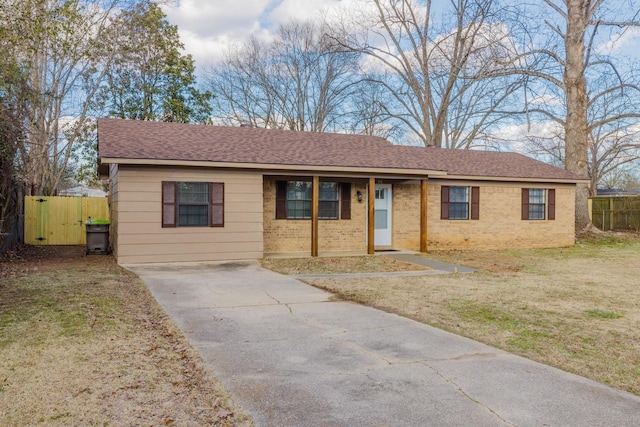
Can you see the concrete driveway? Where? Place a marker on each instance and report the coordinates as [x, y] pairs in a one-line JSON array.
[[292, 355]]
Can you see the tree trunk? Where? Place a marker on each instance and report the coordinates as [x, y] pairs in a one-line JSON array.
[[576, 129]]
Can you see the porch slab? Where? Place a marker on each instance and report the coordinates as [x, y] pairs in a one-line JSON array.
[[436, 267], [325, 254]]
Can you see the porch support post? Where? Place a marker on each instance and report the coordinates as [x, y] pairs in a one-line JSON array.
[[423, 214], [315, 185], [370, 215]]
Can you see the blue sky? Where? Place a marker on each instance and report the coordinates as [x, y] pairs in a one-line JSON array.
[[208, 27]]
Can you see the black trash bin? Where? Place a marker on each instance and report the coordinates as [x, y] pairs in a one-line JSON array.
[[97, 236]]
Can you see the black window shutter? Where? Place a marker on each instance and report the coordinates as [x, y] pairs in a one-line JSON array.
[[444, 202], [345, 201], [281, 199], [525, 203], [216, 204], [475, 202], [169, 204], [551, 207]]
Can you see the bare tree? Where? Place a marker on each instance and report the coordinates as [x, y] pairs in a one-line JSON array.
[[296, 81], [370, 113], [63, 47], [14, 95], [441, 76], [624, 177], [613, 119], [614, 126], [611, 151], [571, 62]]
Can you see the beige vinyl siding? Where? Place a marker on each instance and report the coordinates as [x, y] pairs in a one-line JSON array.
[[141, 238], [113, 208]]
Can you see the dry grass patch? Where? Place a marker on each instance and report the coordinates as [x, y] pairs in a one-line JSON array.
[[575, 308], [336, 265], [83, 342]]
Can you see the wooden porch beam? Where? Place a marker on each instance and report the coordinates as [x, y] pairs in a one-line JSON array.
[[371, 217], [315, 185], [423, 214]]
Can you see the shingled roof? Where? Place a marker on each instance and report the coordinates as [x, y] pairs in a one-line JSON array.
[[125, 141]]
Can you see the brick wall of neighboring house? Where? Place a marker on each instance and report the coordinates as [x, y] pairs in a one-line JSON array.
[[282, 235], [500, 225]]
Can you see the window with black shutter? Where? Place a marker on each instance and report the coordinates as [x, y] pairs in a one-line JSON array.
[[459, 202], [538, 204], [293, 200], [192, 204]]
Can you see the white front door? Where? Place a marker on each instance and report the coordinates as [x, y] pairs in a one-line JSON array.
[[382, 215]]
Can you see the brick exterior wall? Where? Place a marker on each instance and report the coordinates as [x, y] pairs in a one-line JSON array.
[[283, 235], [406, 216], [499, 226]]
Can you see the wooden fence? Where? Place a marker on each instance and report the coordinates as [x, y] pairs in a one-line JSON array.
[[616, 213], [60, 220]]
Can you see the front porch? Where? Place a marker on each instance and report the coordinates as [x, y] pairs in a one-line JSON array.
[[333, 215]]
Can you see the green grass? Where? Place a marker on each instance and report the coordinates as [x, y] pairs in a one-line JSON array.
[[603, 314], [45, 311], [523, 332]]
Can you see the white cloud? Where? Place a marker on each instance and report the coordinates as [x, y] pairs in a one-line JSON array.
[[624, 42], [213, 18], [207, 28], [301, 10], [516, 137], [547, 100], [543, 129]]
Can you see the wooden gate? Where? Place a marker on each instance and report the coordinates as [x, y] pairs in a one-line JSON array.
[[60, 220]]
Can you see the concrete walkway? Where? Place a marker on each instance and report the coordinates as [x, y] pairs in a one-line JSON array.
[[431, 263], [292, 355]]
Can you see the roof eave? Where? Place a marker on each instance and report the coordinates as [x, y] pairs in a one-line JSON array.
[[273, 167], [332, 169], [518, 179]]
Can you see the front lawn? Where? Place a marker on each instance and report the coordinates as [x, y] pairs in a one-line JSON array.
[[83, 342], [576, 308]]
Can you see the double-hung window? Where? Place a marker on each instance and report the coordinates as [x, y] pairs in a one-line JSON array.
[[328, 200], [192, 204], [538, 204], [298, 200], [459, 202], [293, 200]]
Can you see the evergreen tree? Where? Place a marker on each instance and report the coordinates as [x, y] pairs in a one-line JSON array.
[[151, 79]]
